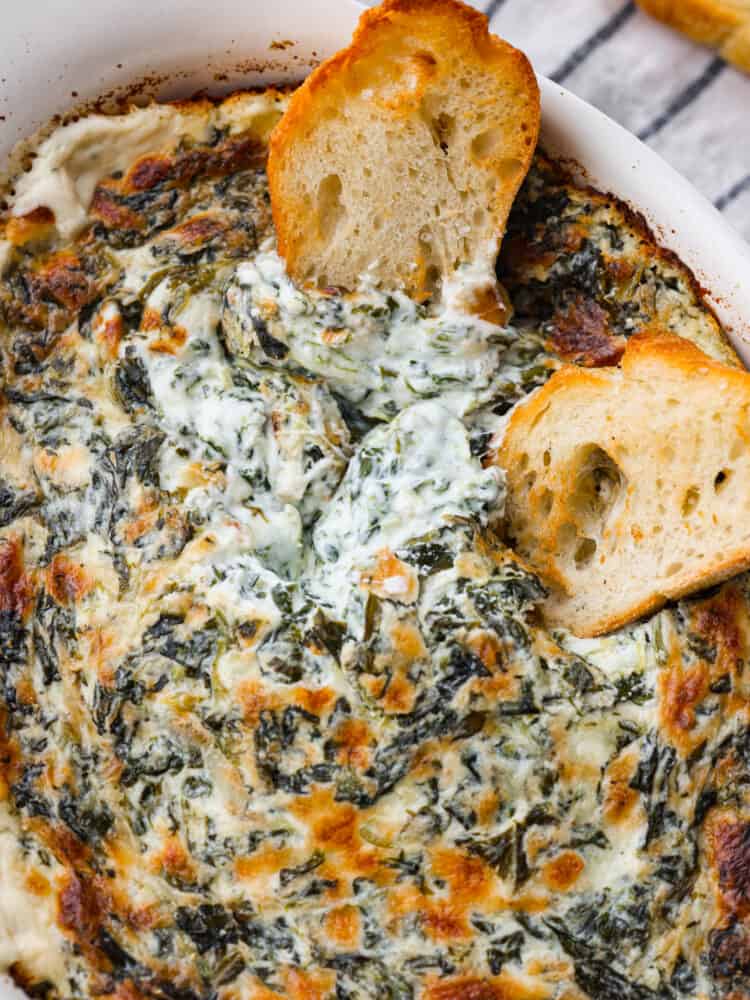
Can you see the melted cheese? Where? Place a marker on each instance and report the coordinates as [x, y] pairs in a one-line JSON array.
[[409, 479], [27, 919], [381, 351], [68, 165]]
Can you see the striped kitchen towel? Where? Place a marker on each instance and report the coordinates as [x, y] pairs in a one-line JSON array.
[[680, 98]]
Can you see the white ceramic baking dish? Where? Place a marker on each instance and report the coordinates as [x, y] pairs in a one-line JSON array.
[[55, 55]]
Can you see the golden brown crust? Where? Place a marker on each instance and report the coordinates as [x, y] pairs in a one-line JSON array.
[[655, 346], [728, 841], [581, 334], [16, 586], [336, 80], [722, 24], [721, 570], [502, 987]]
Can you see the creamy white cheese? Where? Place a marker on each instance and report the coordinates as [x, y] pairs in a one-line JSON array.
[[409, 478], [68, 164], [28, 933], [380, 350]]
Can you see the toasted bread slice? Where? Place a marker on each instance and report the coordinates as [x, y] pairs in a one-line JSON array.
[[629, 486], [723, 24], [402, 154]]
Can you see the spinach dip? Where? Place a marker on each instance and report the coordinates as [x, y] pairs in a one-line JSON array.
[[278, 716]]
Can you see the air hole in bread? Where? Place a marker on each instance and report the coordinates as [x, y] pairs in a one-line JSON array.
[[523, 461], [426, 58], [507, 169], [585, 552], [530, 480], [443, 128], [547, 458], [486, 142], [738, 446], [667, 453], [721, 479], [674, 568], [567, 537], [545, 502], [690, 500], [330, 207], [417, 68], [597, 484]]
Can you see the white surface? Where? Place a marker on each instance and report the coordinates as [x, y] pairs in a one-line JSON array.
[[51, 48]]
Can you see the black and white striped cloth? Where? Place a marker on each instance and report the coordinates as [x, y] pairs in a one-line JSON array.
[[678, 97]]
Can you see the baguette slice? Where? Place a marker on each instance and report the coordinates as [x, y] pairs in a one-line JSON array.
[[629, 486], [403, 153], [722, 24]]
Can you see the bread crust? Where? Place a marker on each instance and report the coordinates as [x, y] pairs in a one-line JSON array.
[[651, 359], [337, 80], [722, 24]]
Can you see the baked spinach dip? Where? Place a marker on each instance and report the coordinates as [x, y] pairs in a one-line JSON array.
[[278, 714]]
